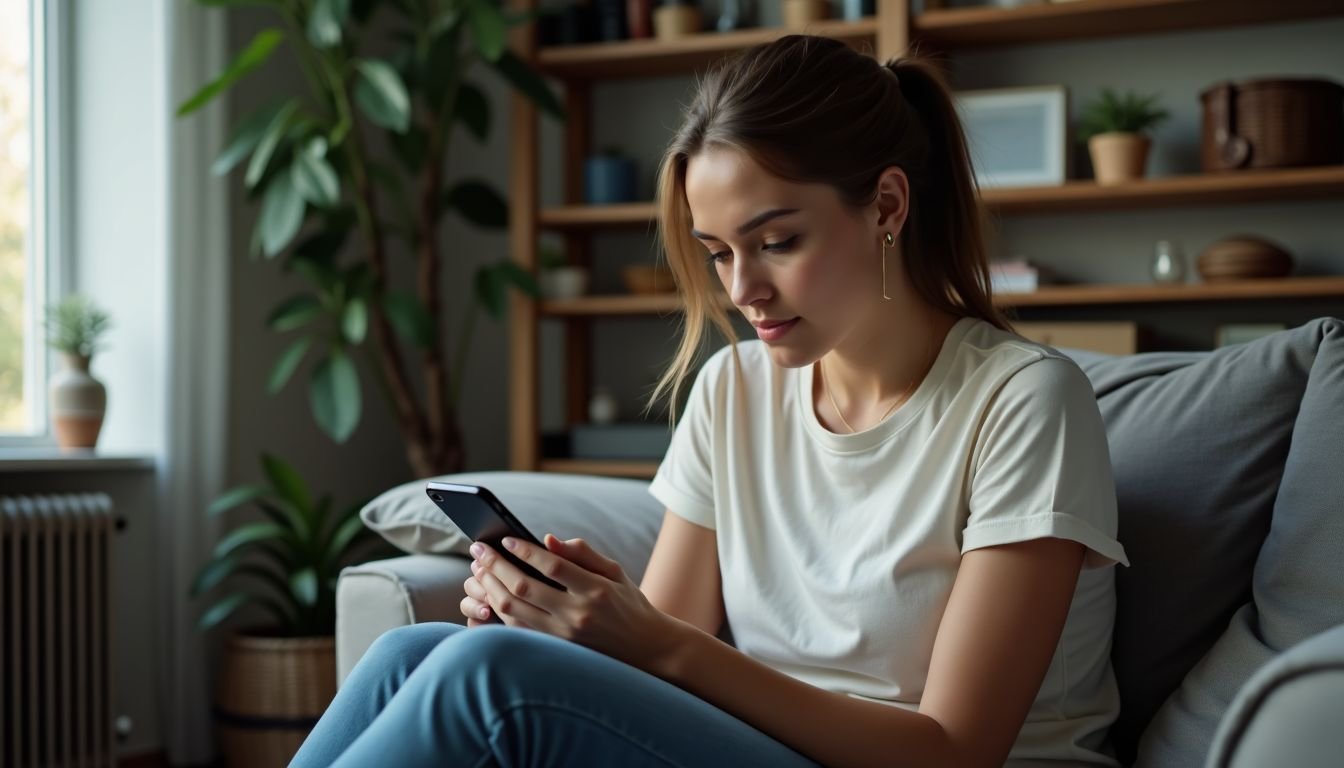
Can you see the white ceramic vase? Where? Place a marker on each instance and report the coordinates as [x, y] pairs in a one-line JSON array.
[[78, 403]]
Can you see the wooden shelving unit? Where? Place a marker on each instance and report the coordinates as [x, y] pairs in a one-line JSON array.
[[1052, 22], [886, 35], [652, 58], [1072, 197]]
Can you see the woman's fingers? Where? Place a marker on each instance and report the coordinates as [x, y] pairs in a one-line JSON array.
[[476, 605]]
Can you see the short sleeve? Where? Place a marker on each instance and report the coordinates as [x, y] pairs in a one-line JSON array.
[[684, 481], [1042, 467]]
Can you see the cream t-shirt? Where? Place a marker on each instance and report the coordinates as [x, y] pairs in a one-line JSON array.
[[838, 552]]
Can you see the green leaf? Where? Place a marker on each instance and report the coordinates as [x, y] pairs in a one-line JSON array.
[[315, 256], [303, 585], [287, 482], [314, 178], [355, 321], [490, 290], [487, 28], [478, 203], [254, 55], [473, 110], [334, 395], [325, 20], [281, 214], [230, 604], [236, 497], [440, 65], [410, 148], [359, 281], [286, 364], [245, 139], [249, 534], [519, 278], [409, 318], [216, 571], [529, 83], [381, 94], [270, 140], [294, 312], [291, 518], [344, 536]]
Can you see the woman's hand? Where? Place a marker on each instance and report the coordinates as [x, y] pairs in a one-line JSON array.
[[476, 605], [603, 609]]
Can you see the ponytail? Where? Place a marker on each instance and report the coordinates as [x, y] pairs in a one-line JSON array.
[[944, 238]]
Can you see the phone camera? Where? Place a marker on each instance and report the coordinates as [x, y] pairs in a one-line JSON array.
[[436, 497]]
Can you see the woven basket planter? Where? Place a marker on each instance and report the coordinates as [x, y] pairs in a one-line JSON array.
[[270, 693]]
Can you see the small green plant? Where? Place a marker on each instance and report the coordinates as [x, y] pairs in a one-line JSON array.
[[1115, 113], [75, 324], [287, 563], [550, 256]]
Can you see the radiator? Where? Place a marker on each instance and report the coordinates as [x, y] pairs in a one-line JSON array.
[[55, 697]]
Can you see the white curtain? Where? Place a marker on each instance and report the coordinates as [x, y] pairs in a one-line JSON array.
[[195, 444]]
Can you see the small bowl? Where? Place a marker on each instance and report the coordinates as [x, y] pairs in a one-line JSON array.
[[648, 278], [567, 282], [1243, 257]]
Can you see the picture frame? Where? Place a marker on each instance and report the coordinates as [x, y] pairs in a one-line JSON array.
[[1017, 137]]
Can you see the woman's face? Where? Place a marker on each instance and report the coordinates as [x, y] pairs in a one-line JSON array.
[[788, 253]]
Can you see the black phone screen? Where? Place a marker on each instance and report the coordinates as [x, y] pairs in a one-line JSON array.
[[484, 518]]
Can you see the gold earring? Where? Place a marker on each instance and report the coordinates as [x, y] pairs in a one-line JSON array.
[[887, 242]]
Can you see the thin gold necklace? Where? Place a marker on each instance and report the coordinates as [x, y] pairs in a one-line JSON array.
[[821, 369]]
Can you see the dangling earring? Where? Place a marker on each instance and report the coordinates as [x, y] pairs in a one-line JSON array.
[[887, 242]]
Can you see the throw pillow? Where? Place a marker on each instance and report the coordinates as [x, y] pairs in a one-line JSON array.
[[616, 516], [1198, 444]]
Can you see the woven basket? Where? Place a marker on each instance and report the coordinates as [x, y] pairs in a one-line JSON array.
[[1272, 123], [270, 693]]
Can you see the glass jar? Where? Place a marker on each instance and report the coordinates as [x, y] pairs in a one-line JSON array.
[[1168, 262]]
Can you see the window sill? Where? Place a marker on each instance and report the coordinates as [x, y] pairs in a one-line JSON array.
[[56, 460]]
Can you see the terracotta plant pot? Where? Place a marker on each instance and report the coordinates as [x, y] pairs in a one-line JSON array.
[[1119, 157], [270, 693], [78, 404], [799, 13]]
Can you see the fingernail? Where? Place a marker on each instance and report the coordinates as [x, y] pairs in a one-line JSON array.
[[510, 543], [484, 613], [476, 549]]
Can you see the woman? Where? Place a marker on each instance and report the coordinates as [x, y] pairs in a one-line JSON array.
[[904, 511]]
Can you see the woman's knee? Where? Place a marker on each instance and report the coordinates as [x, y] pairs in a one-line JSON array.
[[407, 646]]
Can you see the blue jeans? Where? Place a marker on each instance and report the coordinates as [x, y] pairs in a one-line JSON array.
[[442, 695]]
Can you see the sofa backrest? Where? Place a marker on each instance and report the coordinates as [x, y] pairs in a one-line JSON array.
[[1218, 455]]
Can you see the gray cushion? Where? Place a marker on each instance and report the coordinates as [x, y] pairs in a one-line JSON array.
[[1298, 584], [1199, 443], [617, 516], [1290, 712]]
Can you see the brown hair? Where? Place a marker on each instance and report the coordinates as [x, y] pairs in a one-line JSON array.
[[812, 110]]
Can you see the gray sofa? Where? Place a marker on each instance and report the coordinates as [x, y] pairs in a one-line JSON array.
[[1229, 465]]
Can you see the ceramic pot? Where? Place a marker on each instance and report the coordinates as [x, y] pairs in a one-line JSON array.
[[563, 282], [799, 13], [78, 404], [671, 22], [1119, 157], [609, 179]]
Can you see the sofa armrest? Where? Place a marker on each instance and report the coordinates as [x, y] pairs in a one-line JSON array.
[[375, 597], [1291, 712]]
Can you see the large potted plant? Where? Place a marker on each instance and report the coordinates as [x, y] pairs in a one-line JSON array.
[[278, 674], [310, 161], [1113, 126]]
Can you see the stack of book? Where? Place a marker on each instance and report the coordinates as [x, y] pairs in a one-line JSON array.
[[1018, 276]]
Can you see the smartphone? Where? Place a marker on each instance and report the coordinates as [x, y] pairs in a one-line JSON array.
[[484, 518]]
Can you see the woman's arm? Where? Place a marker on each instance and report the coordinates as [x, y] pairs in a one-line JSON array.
[[999, 631], [682, 577]]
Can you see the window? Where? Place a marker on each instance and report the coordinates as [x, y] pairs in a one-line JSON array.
[[26, 252]]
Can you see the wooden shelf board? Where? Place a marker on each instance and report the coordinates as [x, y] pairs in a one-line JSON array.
[[1073, 196], [1236, 290], [1047, 22], [1058, 295], [1196, 189], [644, 58], [640, 469]]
